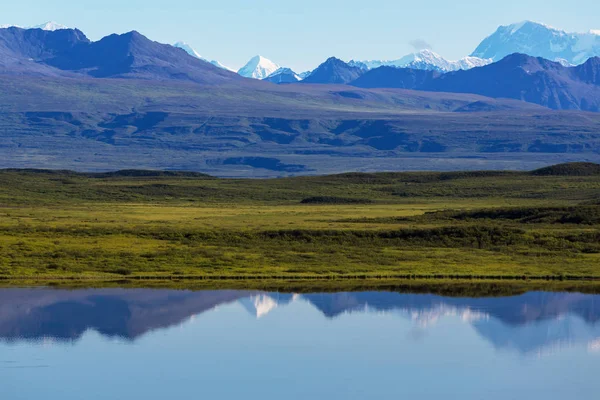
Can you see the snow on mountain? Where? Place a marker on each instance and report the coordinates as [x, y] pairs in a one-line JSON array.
[[48, 26], [188, 49], [539, 40], [192, 52], [258, 67], [222, 66], [425, 60], [283, 75], [304, 74], [430, 61], [564, 62], [471, 62]]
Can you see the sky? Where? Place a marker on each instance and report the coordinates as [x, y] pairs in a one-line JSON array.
[[302, 34]]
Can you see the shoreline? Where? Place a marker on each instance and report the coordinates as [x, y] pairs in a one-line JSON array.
[[456, 287]]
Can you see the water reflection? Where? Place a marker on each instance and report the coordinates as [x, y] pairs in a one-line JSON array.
[[532, 323]]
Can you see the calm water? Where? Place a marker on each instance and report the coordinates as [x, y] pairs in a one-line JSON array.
[[163, 344]]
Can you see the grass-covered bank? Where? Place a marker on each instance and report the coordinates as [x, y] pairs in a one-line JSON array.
[[468, 225], [444, 287]]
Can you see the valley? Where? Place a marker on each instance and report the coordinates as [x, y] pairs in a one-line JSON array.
[[401, 194]]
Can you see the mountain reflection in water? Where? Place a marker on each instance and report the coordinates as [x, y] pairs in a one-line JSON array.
[[530, 323]]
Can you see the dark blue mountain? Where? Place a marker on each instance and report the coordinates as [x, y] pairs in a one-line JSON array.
[[589, 72], [24, 51], [130, 55], [334, 71], [517, 76], [532, 79]]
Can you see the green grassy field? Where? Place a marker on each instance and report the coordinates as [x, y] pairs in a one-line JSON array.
[[474, 225]]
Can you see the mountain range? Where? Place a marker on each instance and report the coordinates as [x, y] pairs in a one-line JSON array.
[[527, 37], [66, 52], [126, 101], [425, 60], [517, 76]]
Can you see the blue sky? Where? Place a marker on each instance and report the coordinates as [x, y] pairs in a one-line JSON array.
[[303, 33]]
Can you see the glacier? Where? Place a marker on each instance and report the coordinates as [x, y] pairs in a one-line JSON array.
[[425, 60]]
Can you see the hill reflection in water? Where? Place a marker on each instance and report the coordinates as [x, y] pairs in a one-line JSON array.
[[534, 322]]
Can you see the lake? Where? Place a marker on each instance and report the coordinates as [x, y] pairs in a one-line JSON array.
[[229, 344]]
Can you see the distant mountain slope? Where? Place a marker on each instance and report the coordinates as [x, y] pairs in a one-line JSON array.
[[392, 77], [531, 79], [539, 40], [258, 67], [334, 71], [425, 60], [518, 76], [283, 75], [25, 51], [129, 55]]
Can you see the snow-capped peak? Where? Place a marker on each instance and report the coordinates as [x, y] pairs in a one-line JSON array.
[[188, 49], [426, 60], [49, 26], [595, 32], [258, 67], [540, 40], [192, 52]]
